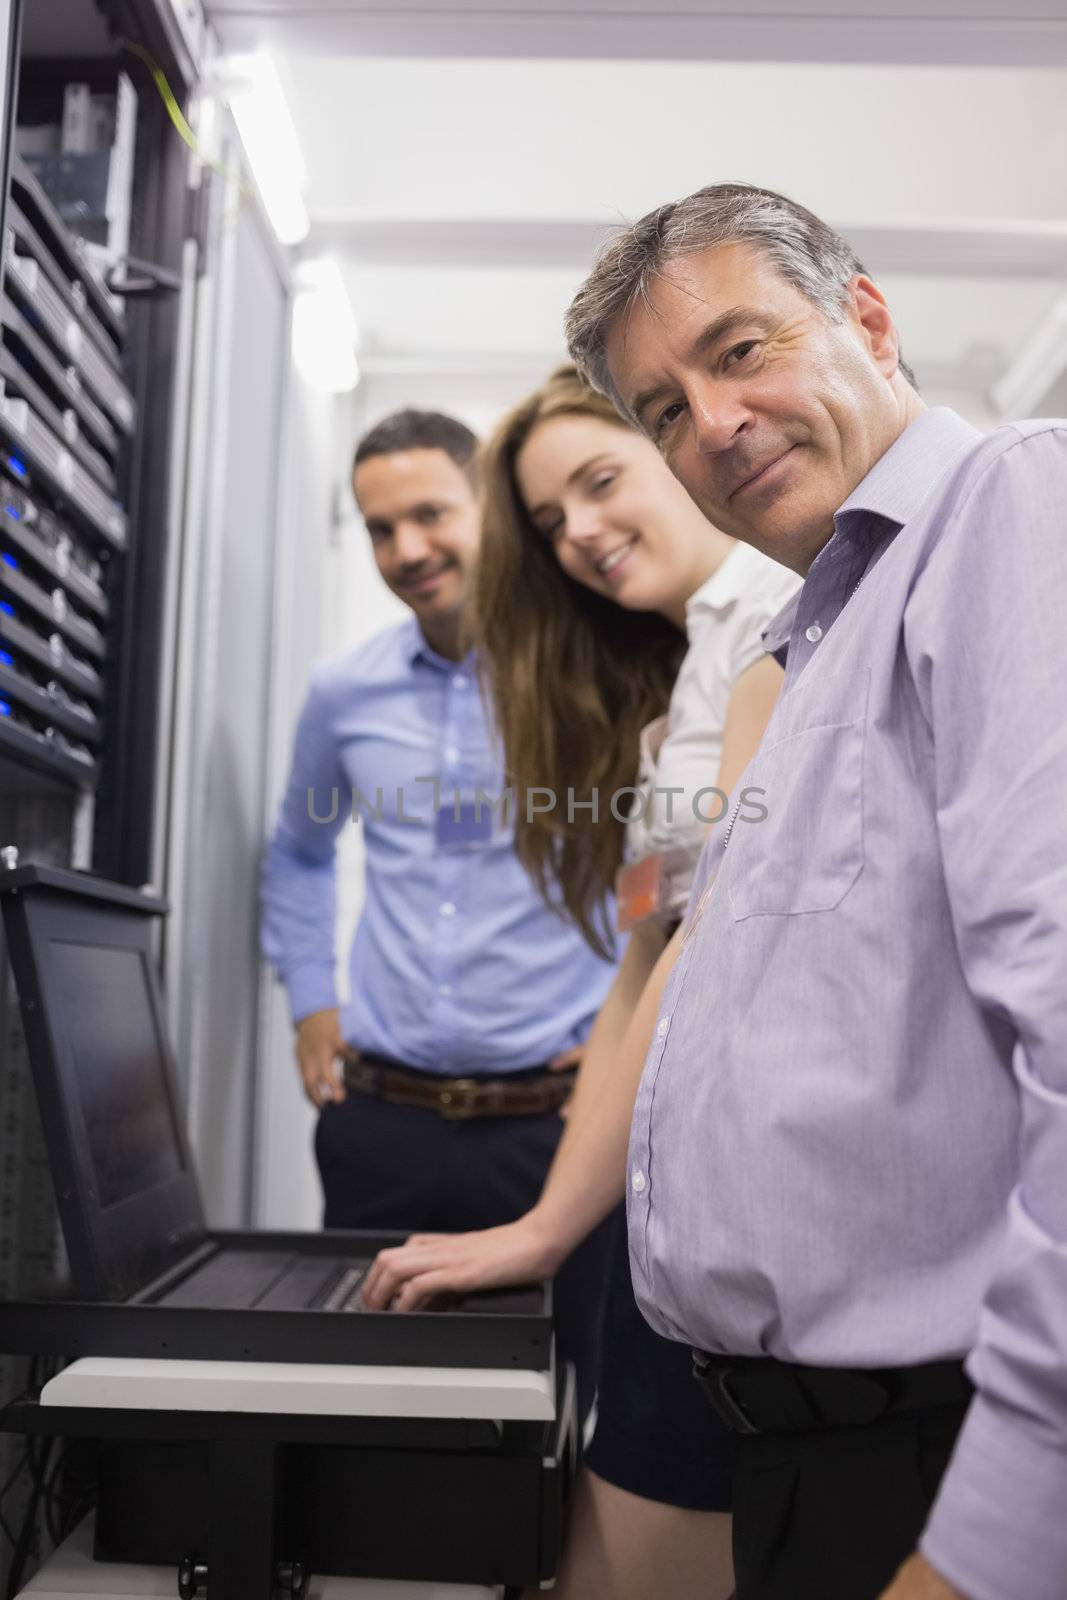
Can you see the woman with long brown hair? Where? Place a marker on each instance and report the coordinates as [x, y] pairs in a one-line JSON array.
[[620, 639]]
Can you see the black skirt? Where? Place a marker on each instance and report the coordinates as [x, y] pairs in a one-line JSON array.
[[655, 1433]]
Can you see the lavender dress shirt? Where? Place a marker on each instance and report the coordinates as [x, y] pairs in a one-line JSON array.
[[850, 1142]]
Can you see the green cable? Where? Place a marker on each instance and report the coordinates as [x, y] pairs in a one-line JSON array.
[[177, 117]]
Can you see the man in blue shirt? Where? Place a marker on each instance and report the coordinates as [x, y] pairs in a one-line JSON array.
[[440, 1080]]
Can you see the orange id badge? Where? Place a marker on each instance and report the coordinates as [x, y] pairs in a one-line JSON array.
[[638, 891]]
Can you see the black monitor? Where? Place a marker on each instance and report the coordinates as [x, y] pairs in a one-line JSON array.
[[104, 1073]]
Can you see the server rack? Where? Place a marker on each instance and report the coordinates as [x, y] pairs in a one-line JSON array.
[[66, 413], [84, 440], [87, 395]]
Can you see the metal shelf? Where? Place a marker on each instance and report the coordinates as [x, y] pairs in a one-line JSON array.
[[28, 279], [20, 384], [61, 242], [16, 685], [25, 538], [58, 662], [75, 489], [64, 379], [81, 634], [36, 750]]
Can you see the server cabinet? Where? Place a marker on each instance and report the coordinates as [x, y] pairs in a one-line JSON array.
[[93, 203], [96, 213]]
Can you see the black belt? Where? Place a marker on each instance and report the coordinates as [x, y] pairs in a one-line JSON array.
[[758, 1395]]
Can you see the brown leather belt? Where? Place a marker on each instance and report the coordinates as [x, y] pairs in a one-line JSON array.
[[457, 1099]]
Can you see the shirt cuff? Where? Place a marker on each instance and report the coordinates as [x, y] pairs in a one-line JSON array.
[[311, 988], [998, 1526]]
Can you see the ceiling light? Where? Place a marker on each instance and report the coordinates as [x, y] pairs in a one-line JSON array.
[[324, 328], [253, 90]]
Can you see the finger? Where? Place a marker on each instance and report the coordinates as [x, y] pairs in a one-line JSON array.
[[379, 1268], [381, 1288], [389, 1271], [567, 1059], [322, 1091], [311, 1089], [417, 1292], [401, 1252]]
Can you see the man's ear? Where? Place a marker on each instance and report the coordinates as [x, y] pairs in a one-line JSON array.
[[872, 317]]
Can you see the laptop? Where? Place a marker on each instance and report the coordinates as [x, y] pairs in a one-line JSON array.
[[125, 1177]]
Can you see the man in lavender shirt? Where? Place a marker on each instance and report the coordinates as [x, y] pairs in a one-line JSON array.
[[848, 1162]]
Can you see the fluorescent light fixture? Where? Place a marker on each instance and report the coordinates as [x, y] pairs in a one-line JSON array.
[[251, 86], [324, 328]]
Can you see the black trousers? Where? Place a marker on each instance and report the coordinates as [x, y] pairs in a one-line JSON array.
[[385, 1166], [832, 1513]]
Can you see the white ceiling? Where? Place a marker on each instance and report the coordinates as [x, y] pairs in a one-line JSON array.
[[994, 32], [463, 190]]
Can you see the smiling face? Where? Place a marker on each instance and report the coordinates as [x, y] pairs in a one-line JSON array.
[[422, 517], [616, 519], [769, 413]]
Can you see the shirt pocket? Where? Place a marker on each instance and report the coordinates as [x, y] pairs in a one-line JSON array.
[[806, 852]]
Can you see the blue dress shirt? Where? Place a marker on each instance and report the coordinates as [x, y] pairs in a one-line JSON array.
[[457, 964]]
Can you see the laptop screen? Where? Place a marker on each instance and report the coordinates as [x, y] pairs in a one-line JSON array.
[[82, 954], [120, 1072]]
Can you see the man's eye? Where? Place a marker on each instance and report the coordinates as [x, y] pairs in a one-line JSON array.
[[603, 482], [430, 514], [739, 352], [668, 415]]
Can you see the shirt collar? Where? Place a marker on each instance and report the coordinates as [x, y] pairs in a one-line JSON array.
[[416, 648], [900, 480], [893, 490]]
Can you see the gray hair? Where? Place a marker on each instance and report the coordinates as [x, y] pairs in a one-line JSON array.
[[808, 253]]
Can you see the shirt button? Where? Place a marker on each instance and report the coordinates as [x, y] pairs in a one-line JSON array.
[[451, 755], [662, 1025], [445, 989], [446, 909], [459, 681], [813, 634], [638, 1181]]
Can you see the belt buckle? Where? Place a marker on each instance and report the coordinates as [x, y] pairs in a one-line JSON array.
[[732, 1409], [456, 1103], [714, 1381]]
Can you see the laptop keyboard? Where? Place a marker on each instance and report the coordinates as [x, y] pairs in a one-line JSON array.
[[347, 1293], [236, 1280]]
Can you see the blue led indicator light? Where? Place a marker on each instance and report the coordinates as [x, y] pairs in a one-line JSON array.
[[8, 559], [5, 709], [5, 605], [18, 467], [6, 658], [14, 513]]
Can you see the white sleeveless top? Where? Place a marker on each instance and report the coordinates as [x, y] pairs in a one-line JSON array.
[[724, 621]]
